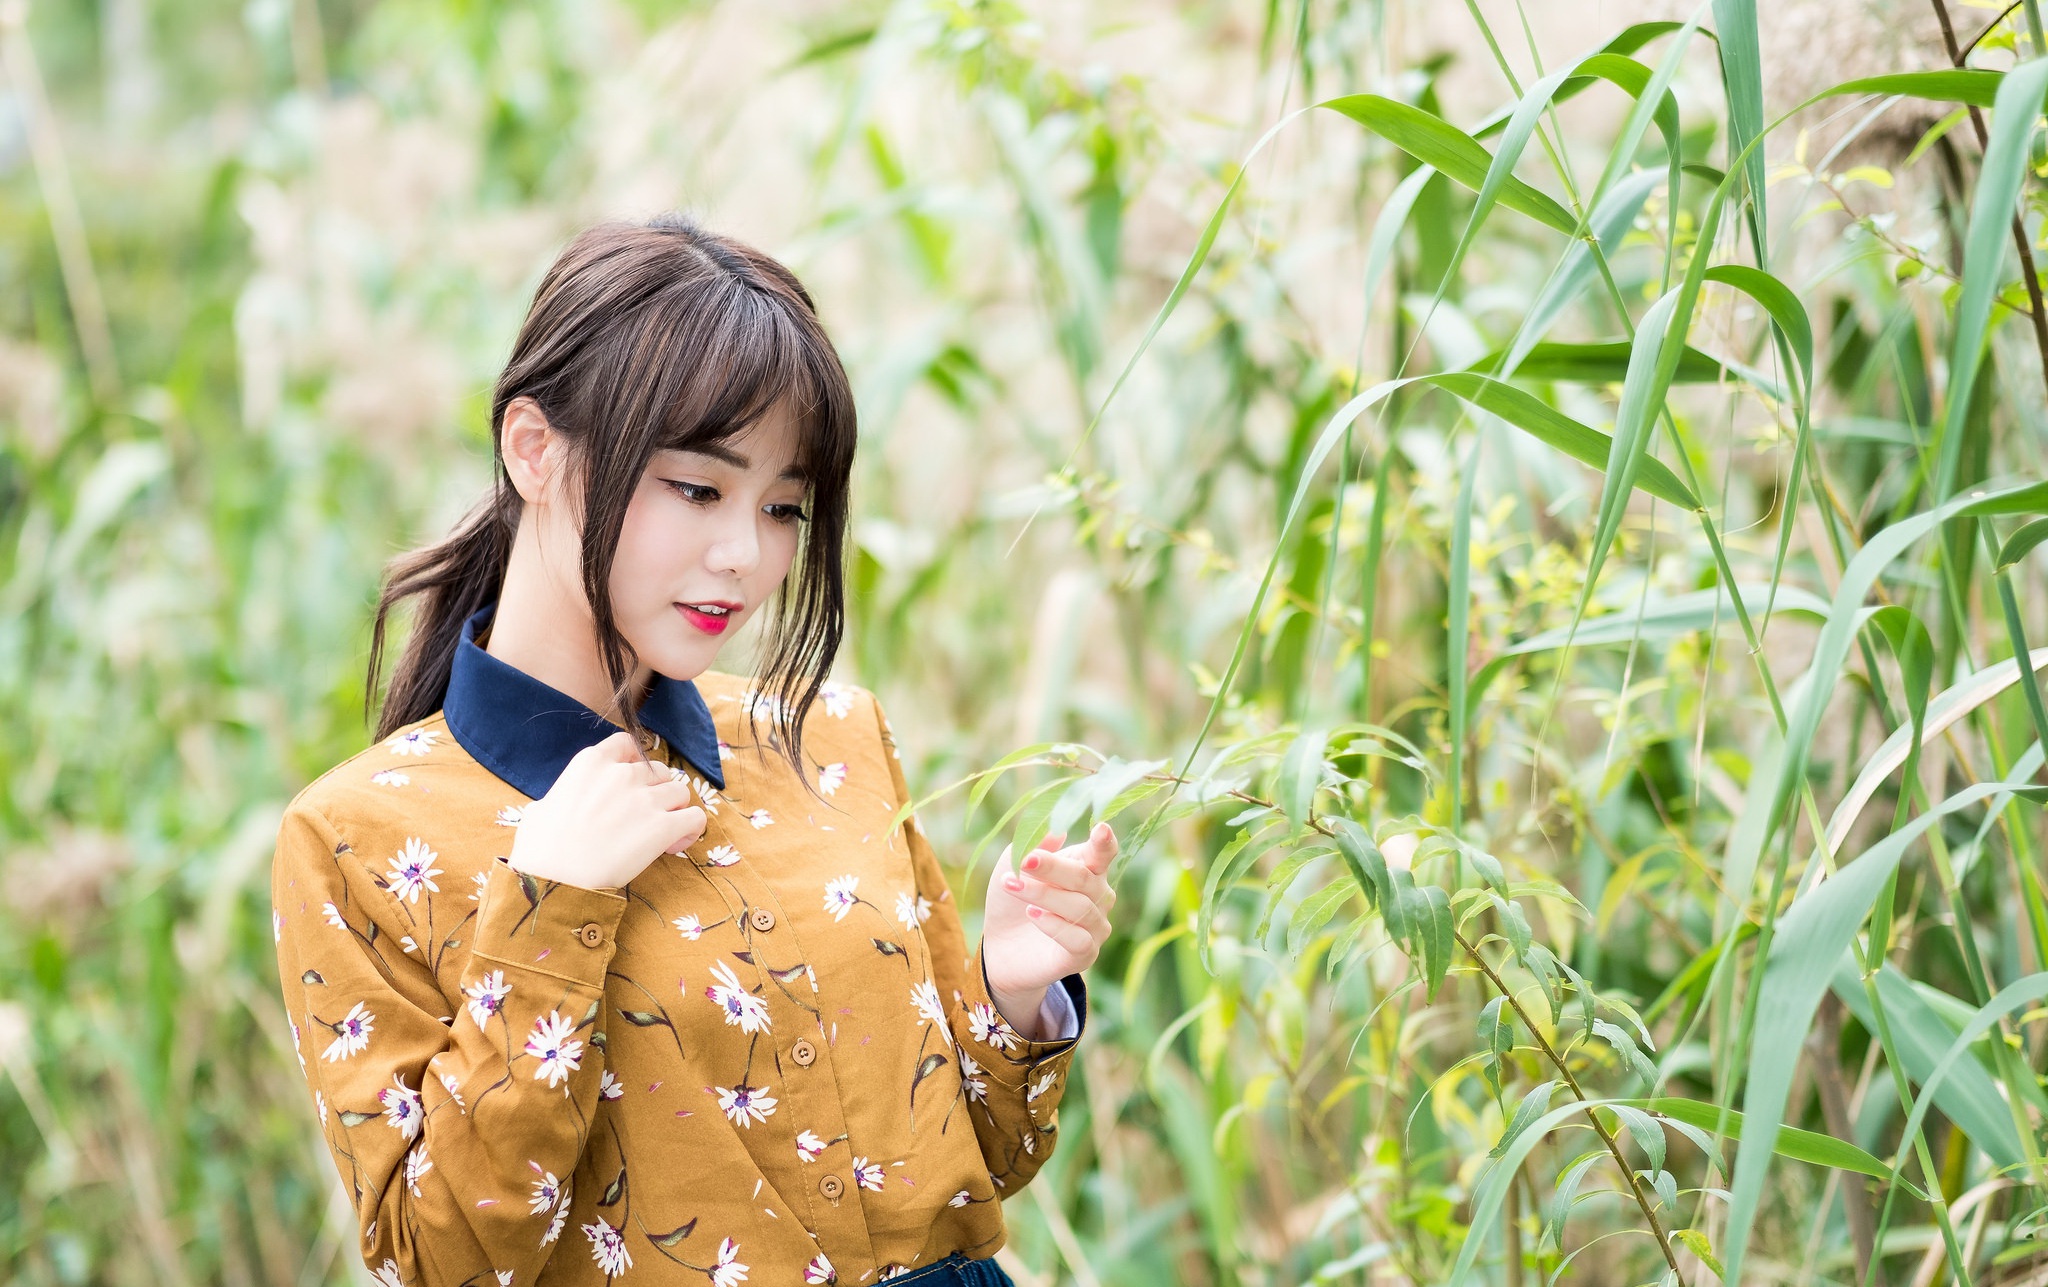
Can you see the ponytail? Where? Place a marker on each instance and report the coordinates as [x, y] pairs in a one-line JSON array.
[[453, 578]]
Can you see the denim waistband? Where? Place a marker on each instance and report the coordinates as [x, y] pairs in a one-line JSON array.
[[959, 1269]]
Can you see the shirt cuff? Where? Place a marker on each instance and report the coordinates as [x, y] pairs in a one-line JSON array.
[[548, 926], [1057, 1015]]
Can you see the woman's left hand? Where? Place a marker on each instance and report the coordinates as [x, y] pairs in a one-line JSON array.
[[1046, 920]]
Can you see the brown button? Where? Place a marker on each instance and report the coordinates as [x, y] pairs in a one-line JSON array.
[[592, 934], [764, 920], [831, 1186], [803, 1052]]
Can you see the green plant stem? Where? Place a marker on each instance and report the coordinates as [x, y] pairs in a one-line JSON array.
[[1557, 1061]]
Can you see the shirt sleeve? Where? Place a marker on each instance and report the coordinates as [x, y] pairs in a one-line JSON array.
[[455, 1135], [1013, 1085]]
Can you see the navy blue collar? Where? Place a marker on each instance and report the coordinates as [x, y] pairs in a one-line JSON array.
[[526, 732]]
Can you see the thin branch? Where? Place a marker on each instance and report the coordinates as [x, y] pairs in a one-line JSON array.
[[2035, 307]]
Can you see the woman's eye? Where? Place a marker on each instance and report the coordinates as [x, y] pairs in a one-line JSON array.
[[788, 513], [694, 492]]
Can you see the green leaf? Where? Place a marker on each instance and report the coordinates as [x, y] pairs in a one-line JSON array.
[[1436, 142], [2015, 113], [1811, 938], [2022, 543], [1301, 773], [1798, 1145]]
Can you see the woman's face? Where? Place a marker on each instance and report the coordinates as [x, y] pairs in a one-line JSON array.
[[707, 530]]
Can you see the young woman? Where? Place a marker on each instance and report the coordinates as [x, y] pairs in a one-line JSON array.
[[603, 964]]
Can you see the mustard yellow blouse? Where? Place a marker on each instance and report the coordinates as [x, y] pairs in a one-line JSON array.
[[771, 1059]]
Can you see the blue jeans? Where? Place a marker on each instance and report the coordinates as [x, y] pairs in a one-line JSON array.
[[957, 1270]]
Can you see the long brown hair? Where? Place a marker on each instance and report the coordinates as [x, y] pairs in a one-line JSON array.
[[645, 337]]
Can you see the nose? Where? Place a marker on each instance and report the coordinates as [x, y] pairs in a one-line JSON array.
[[737, 547]]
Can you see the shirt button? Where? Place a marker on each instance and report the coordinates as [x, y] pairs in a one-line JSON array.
[[803, 1052], [831, 1186], [764, 920], [592, 935]]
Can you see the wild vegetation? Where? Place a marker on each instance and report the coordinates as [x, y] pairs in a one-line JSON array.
[[1538, 550]]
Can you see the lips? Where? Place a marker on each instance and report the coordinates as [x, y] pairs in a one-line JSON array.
[[712, 616]]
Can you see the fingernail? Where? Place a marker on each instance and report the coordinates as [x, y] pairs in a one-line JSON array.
[[1034, 910], [1013, 882], [1031, 863]]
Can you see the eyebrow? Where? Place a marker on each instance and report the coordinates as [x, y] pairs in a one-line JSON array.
[[721, 452]]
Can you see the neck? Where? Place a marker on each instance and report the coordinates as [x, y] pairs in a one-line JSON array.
[[544, 629]]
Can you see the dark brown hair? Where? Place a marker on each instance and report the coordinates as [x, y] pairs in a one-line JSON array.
[[645, 337]]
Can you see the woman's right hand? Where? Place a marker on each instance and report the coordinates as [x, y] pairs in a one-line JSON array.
[[606, 819]]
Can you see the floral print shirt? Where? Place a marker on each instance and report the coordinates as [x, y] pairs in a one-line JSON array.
[[769, 1059]]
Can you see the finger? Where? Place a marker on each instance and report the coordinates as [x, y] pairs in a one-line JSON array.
[[1064, 903], [619, 747], [685, 828], [671, 794], [1101, 849], [1074, 938], [1065, 870]]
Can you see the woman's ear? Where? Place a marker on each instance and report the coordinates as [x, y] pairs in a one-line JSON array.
[[530, 448]]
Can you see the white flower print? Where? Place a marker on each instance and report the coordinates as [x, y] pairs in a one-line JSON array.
[[401, 1106], [511, 815], [722, 856], [839, 896], [454, 1089], [487, 997], [925, 997], [838, 699], [351, 1034], [729, 1271], [320, 1102], [867, 1175], [558, 1052], [1031, 1141], [609, 1087], [391, 777], [276, 926], [761, 818], [412, 870], [481, 879], [707, 795], [970, 1077], [504, 1277], [561, 1218], [1043, 1085], [808, 1146], [819, 1270], [741, 1007], [406, 941], [724, 749], [762, 704], [960, 1199], [745, 1104], [990, 1028], [831, 777], [689, 926], [608, 1248], [913, 909], [547, 1191], [387, 1275], [333, 915], [416, 1165], [417, 742]]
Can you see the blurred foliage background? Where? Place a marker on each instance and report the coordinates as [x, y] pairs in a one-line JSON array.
[[1459, 791]]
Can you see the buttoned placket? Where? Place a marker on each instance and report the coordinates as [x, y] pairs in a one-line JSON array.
[[797, 1048]]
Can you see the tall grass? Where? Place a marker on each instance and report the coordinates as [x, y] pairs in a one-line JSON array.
[[1540, 556]]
